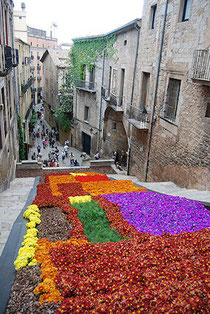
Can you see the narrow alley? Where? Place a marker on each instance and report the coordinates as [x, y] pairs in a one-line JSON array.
[[48, 152]]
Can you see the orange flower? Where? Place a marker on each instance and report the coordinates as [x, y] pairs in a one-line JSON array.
[[55, 180], [108, 187], [49, 272]]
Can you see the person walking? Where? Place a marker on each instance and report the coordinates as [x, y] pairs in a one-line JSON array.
[[66, 150], [71, 159], [63, 155], [97, 156], [38, 148]]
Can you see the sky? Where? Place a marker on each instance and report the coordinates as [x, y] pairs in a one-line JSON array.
[[79, 18]]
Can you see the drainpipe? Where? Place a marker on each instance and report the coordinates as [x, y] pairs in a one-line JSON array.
[[156, 89], [102, 84], [75, 116], [132, 92]]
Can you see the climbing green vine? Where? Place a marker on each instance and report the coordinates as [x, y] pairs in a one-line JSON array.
[[88, 51], [21, 140], [64, 113]]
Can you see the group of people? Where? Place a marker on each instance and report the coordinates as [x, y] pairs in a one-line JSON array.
[[65, 155]]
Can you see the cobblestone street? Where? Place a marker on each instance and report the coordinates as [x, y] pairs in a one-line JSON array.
[[46, 151]]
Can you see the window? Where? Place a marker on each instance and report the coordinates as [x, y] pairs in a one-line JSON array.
[[145, 89], [92, 78], [172, 99], [207, 111], [110, 78], [1, 144], [4, 110], [125, 42], [122, 80], [86, 115], [114, 125], [114, 82], [83, 73], [153, 15], [186, 10]]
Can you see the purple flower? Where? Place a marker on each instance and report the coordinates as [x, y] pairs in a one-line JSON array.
[[159, 213]]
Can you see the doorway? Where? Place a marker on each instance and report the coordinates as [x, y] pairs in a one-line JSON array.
[[86, 143]]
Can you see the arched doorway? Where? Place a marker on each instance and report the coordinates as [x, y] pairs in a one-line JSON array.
[[114, 135]]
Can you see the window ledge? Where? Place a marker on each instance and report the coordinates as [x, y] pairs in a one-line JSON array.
[[169, 126], [86, 121]]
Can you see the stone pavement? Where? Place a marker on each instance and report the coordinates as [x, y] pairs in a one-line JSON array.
[[168, 188], [13, 199], [12, 202], [44, 152]]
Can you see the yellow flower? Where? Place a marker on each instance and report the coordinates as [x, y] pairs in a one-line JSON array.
[[31, 224], [80, 199]]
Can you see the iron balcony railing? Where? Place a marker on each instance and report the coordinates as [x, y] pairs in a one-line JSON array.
[[30, 81], [24, 88], [137, 117], [86, 85], [29, 111], [8, 57], [201, 65], [15, 57], [112, 99], [2, 60], [38, 67]]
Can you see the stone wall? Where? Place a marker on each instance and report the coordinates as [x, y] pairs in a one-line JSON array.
[[179, 148]]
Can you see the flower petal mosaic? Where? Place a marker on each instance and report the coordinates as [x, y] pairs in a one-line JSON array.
[[129, 250]]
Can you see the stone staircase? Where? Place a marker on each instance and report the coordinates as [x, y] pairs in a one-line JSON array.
[[12, 202]]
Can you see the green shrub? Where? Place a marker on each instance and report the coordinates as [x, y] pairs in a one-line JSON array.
[[32, 121], [22, 151], [95, 224], [64, 121]]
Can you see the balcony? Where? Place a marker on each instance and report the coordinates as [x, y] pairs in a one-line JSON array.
[[115, 102], [201, 67], [6, 59], [24, 88], [32, 68], [29, 111], [15, 57], [39, 89], [86, 86], [30, 81], [39, 78], [33, 90], [38, 67], [137, 117]]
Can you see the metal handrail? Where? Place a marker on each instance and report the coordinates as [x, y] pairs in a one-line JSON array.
[[138, 114], [86, 85]]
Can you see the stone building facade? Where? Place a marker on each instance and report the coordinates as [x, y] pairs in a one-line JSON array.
[[8, 101], [176, 145], [103, 97], [24, 83], [54, 63], [39, 42]]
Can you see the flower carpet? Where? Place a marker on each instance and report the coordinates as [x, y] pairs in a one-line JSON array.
[[128, 249]]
